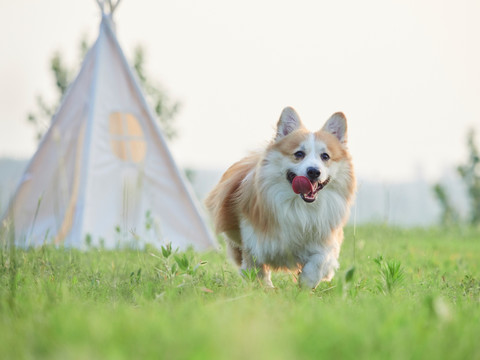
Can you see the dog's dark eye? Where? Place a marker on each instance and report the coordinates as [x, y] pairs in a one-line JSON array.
[[325, 157], [299, 155]]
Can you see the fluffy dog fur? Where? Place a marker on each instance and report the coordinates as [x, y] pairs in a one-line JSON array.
[[266, 224]]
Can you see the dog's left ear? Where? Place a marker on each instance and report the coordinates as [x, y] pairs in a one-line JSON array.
[[289, 121], [337, 125]]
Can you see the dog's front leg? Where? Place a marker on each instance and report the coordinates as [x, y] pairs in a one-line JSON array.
[[319, 266], [250, 263]]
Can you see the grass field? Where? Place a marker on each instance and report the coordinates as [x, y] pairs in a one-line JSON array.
[[400, 294]]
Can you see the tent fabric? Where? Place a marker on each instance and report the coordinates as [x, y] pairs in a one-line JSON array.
[[103, 174]]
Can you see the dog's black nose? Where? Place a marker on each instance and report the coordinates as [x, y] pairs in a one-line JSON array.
[[313, 173]]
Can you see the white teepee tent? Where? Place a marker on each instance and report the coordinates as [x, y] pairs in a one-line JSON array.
[[103, 174]]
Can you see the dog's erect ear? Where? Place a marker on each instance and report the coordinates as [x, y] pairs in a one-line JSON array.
[[289, 121], [337, 125]]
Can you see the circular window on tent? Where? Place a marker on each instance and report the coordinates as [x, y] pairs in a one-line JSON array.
[[126, 137]]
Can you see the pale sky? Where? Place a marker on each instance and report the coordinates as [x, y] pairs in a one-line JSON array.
[[405, 73]]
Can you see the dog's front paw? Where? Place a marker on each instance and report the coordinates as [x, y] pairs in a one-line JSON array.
[[311, 272], [308, 281], [318, 268]]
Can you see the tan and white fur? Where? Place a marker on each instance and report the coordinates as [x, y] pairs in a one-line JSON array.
[[267, 225]]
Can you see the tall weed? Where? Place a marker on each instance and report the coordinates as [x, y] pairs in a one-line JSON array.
[[391, 275]]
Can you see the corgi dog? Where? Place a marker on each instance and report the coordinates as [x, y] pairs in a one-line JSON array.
[[271, 220]]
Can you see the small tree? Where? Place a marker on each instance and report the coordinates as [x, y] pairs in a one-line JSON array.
[[164, 107], [449, 215], [63, 76], [470, 174]]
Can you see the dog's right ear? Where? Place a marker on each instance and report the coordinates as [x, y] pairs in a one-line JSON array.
[[289, 121]]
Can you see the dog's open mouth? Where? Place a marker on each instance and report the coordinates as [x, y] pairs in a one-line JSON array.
[[305, 188], [316, 187]]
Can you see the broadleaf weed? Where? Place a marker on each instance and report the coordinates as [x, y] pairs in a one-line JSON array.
[[250, 274], [167, 250]]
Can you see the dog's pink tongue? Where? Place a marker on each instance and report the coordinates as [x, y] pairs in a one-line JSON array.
[[301, 185]]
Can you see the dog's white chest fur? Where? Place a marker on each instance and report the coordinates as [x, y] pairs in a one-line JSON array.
[[302, 230]]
